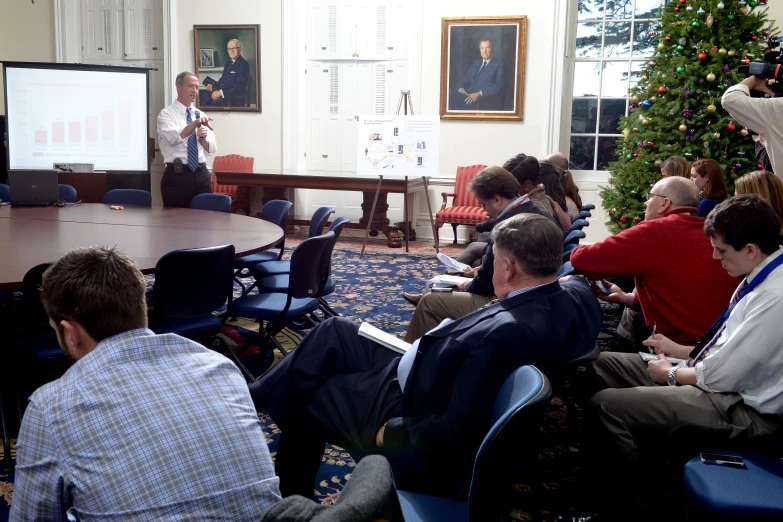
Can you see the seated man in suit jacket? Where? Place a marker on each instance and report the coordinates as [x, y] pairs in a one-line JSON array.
[[233, 83], [429, 410], [484, 85]]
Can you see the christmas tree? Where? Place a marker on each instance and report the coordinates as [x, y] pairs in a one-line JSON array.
[[675, 107]]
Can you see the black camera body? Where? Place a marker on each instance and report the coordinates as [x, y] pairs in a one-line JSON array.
[[770, 68]]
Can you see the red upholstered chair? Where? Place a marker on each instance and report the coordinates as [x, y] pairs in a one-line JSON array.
[[240, 196], [465, 210]]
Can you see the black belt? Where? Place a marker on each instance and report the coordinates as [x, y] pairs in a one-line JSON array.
[[185, 164]]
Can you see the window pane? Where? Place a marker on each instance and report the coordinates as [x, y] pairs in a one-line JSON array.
[[643, 43], [611, 112], [617, 39], [591, 9], [587, 78], [637, 70], [583, 116], [647, 8], [615, 80], [619, 9], [588, 40], [582, 152], [606, 152]]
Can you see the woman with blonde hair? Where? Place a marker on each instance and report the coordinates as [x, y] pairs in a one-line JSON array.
[[675, 166], [765, 184], [708, 176]]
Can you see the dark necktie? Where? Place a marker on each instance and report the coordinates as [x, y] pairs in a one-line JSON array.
[[482, 67], [192, 146], [734, 300]]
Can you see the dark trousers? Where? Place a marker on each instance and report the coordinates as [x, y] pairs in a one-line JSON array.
[[335, 387], [179, 189]]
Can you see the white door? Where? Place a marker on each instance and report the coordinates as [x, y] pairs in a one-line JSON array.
[[102, 30]]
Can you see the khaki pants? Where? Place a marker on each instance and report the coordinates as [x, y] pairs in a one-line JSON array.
[[434, 307]]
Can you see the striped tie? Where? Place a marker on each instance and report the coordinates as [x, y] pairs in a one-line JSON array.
[[192, 146]]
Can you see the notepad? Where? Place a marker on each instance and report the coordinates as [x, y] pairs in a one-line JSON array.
[[647, 357], [451, 263], [391, 342], [448, 280]]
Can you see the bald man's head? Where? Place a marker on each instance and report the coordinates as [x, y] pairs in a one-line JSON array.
[[557, 159], [681, 191]]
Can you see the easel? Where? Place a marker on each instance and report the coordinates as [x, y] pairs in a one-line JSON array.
[[405, 103]]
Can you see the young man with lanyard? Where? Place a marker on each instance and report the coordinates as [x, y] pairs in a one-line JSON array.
[[498, 192], [731, 387]]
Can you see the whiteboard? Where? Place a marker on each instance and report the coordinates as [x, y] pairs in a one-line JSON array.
[[400, 145]]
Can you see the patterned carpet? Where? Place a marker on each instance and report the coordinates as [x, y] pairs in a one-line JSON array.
[[369, 289]]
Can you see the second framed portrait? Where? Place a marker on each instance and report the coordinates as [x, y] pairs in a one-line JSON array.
[[228, 66], [482, 74]]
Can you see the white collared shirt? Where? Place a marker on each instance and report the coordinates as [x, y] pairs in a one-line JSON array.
[[171, 121], [747, 358]]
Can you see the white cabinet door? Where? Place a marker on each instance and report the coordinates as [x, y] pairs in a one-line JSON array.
[[333, 137], [396, 82], [398, 30], [102, 29], [141, 29], [317, 111], [323, 29]]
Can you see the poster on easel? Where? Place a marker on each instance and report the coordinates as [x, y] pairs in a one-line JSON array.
[[398, 145]]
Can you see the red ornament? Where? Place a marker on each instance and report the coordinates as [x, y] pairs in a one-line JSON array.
[[714, 49], [636, 219], [730, 127], [745, 61], [662, 89], [651, 144], [754, 37], [683, 2], [703, 56], [760, 166], [636, 129], [668, 38], [623, 219], [677, 9]]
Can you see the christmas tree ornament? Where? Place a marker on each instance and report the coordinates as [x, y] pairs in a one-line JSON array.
[[753, 3], [750, 55], [646, 121], [680, 48], [612, 211], [658, 163], [628, 157], [713, 49], [738, 165], [623, 219], [668, 38], [730, 16], [680, 69], [701, 11], [710, 77], [682, 41], [726, 68], [687, 113], [717, 135], [710, 20], [690, 137], [720, 5], [661, 46], [686, 91], [677, 9], [760, 166], [683, 2], [730, 127], [653, 99], [689, 8], [696, 24], [636, 219], [731, 53], [646, 104], [711, 108], [722, 50], [652, 63], [745, 61], [635, 99], [754, 38], [652, 33], [744, 10], [706, 144], [644, 78], [721, 86], [651, 144], [640, 144], [703, 56], [744, 132], [741, 3], [683, 128], [741, 152], [635, 129], [662, 89]]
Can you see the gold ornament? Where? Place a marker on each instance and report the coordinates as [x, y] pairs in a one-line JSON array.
[[744, 132], [635, 99], [683, 127], [710, 77], [626, 132], [711, 108], [658, 163], [646, 121], [722, 50], [661, 46], [732, 53], [653, 99], [644, 78], [744, 10]]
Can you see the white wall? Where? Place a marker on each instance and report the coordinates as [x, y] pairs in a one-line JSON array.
[[26, 33]]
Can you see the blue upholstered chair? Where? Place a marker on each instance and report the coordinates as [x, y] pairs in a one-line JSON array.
[[579, 224], [567, 250], [66, 194], [584, 214], [190, 285], [277, 309], [718, 492], [140, 198], [5, 192], [512, 442], [573, 237], [215, 202], [566, 269], [276, 212], [589, 206]]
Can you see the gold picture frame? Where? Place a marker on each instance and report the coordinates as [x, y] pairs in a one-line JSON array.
[[234, 74], [482, 68]]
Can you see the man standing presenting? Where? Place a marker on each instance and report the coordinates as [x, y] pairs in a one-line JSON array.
[[232, 83], [121, 436], [185, 138], [679, 287], [484, 85]]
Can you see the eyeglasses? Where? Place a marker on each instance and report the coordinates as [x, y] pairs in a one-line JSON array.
[[232, 48], [650, 196]]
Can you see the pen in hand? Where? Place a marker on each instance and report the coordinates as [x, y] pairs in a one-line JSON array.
[[655, 325]]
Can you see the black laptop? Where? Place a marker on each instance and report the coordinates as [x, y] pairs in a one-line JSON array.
[[33, 187]]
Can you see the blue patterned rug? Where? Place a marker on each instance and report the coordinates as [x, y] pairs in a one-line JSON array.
[[369, 289]]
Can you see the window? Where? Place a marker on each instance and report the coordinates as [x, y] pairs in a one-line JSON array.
[[614, 40]]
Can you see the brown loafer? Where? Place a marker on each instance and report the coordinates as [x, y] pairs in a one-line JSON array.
[[412, 298]]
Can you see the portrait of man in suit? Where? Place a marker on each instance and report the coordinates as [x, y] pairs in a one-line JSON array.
[[482, 68], [237, 86]]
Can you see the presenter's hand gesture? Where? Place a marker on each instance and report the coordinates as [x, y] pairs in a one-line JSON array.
[[201, 132], [209, 87], [216, 95], [204, 121]]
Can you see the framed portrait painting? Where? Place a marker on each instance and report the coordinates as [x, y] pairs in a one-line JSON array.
[[228, 66], [482, 72]]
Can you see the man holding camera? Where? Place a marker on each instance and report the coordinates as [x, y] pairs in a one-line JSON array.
[[185, 138], [759, 114]]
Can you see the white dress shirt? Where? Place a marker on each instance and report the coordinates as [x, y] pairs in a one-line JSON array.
[[762, 115], [171, 121], [748, 356]]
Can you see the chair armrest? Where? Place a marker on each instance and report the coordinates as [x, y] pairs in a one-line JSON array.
[[446, 195]]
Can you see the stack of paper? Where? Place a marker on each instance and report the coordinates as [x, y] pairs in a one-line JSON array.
[[448, 280], [379, 336], [451, 263]]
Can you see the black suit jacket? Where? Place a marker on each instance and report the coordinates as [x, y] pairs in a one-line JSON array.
[[233, 82], [460, 368]]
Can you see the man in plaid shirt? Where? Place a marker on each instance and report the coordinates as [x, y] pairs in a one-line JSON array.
[[142, 426]]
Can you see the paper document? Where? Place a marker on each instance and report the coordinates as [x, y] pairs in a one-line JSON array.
[[379, 336], [447, 280], [646, 357], [451, 263]]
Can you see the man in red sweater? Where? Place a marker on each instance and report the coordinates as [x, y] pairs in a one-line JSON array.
[[679, 286]]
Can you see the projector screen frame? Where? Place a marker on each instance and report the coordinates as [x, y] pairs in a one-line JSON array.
[[79, 67]]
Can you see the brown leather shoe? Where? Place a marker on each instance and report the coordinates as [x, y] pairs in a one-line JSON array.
[[412, 298]]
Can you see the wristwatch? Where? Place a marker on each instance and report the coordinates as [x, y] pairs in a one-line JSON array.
[[671, 379]]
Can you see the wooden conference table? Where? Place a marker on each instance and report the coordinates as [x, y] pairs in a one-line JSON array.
[[375, 189], [33, 235]]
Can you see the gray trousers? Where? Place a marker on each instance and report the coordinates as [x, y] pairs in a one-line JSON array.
[[434, 307]]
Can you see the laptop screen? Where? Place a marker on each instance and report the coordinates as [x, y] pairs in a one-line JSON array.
[[33, 187]]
